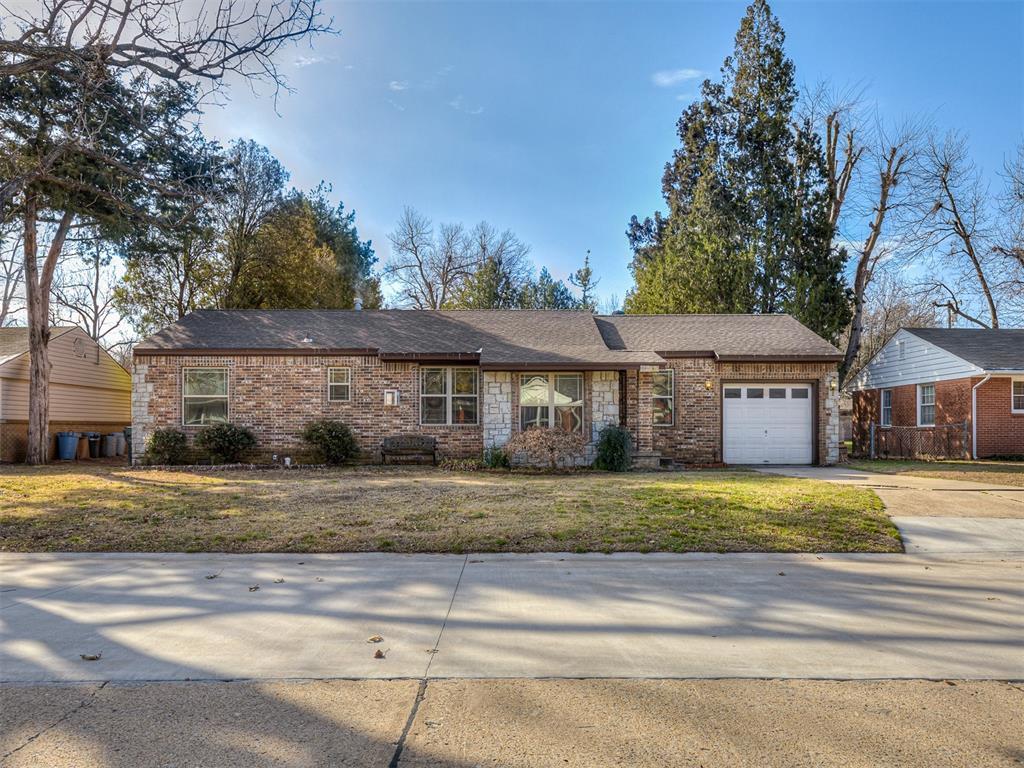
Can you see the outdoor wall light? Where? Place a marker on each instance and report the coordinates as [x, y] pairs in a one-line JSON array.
[[832, 385], [708, 384]]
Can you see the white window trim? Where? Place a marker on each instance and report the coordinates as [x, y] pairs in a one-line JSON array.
[[551, 405], [671, 397], [450, 394], [920, 389], [1015, 380], [227, 392], [330, 371], [881, 416]]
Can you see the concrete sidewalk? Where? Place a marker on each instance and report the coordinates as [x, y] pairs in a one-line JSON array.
[[158, 617]]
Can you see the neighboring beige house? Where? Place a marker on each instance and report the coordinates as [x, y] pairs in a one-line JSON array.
[[89, 390]]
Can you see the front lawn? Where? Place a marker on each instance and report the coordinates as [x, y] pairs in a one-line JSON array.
[[996, 472], [405, 509]]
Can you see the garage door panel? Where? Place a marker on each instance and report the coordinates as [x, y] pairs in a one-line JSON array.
[[767, 430]]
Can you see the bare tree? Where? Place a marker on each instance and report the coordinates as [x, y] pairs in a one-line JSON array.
[[12, 268], [426, 271], [84, 292]]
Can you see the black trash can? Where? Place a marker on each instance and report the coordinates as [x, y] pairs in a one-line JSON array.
[[94, 445], [128, 443]]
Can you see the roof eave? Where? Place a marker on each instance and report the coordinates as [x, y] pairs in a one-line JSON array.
[[268, 351]]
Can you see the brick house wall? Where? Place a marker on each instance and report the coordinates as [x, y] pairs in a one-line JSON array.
[[1000, 432]]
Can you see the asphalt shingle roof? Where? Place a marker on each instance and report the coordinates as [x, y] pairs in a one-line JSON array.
[[997, 349], [514, 338]]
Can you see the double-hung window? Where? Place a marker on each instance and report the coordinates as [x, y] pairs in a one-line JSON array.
[[886, 407], [339, 384], [926, 405], [449, 396], [551, 400], [663, 397], [1017, 395], [204, 396]]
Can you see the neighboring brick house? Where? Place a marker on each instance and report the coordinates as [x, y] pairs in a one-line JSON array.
[[693, 389], [959, 389], [89, 390]]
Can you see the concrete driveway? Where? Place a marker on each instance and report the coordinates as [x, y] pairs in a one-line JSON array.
[[936, 515]]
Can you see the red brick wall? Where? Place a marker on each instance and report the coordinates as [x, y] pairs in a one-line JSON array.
[[1000, 432]]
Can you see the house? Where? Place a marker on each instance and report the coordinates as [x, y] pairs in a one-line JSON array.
[[694, 389], [89, 390], [955, 388]]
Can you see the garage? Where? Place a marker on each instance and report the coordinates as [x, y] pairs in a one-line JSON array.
[[767, 423]]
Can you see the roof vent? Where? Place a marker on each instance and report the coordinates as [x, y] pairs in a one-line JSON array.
[[306, 339]]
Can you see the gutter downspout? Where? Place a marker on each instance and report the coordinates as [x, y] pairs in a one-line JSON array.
[[974, 415]]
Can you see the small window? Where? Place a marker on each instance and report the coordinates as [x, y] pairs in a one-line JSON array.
[[799, 394], [448, 396], [886, 407], [204, 396], [1017, 401], [339, 384], [732, 393], [663, 397], [755, 393], [901, 348], [777, 393], [925, 405]]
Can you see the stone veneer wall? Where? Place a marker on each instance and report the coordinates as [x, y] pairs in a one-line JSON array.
[[496, 407], [604, 401]]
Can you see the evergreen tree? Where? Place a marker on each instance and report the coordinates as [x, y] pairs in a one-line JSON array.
[[547, 293], [583, 278]]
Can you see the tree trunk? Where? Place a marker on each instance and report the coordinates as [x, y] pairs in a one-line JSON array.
[[37, 297]]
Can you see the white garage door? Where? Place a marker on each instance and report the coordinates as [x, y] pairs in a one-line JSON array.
[[767, 423]]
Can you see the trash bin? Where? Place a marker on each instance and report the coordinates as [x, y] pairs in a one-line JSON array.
[[119, 443], [83, 445], [94, 445], [67, 444], [128, 443], [110, 446]]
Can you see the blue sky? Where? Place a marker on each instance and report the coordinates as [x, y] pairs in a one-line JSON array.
[[551, 118]]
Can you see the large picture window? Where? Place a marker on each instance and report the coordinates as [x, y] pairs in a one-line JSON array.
[[449, 396], [551, 400], [204, 396], [886, 407], [926, 405], [663, 397]]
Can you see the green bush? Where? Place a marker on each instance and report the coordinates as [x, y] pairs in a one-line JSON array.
[[332, 441], [225, 442], [614, 449], [496, 458], [166, 446]]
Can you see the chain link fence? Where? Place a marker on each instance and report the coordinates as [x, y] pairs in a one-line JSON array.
[[943, 441]]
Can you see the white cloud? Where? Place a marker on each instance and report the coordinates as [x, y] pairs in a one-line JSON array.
[[398, 85], [666, 78], [459, 105], [307, 61]]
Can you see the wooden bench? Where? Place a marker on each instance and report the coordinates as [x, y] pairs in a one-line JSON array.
[[408, 445]]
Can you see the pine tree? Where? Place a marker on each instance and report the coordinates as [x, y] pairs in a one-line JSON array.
[[547, 293], [583, 278]]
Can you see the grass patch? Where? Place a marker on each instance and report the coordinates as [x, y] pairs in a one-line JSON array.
[[995, 472], [402, 509]]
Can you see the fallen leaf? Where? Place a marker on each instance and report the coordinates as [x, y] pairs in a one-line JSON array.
[[91, 656], [319, 579], [374, 639], [379, 654], [279, 581], [782, 573], [215, 575], [254, 588]]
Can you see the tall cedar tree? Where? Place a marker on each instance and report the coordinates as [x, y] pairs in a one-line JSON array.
[[747, 223]]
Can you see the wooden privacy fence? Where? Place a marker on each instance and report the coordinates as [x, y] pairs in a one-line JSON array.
[[943, 441]]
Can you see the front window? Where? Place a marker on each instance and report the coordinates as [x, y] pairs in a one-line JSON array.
[[448, 396], [339, 384], [1017, 405], [886, 407], [663, 397], [551, 401], [926, 405], [204, 396]]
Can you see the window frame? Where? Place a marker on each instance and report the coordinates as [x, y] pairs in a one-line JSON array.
[[921, 404], [671, 397], [449, 395], [882, 420], [1014, 380], [551, 404], [226, 396], [330, 384]]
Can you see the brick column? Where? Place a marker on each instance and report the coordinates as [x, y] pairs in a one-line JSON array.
[[644, 412]]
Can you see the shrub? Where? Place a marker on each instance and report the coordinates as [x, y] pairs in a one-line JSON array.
[[225, 442], [555, 446], [167, 446], [461, 465], [496, 458], [614, 449], [332, 441]]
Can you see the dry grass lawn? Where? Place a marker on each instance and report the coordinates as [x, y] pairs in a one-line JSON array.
[[995, 472], [405, 509]]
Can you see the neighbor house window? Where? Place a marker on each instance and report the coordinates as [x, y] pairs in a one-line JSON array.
[[663, 397], [448, 396], [551, 400], [204, 396], [886, 407], [1017, 399], [339, 384], [925, 405]]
